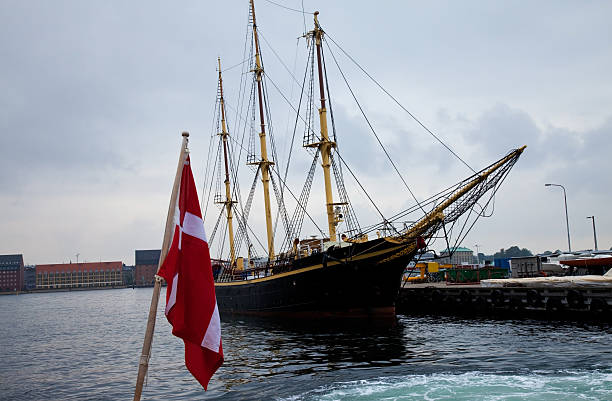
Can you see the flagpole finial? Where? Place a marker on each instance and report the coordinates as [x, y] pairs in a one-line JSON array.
[[185, 134]]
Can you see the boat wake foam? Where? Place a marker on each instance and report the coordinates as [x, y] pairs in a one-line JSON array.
[[534, 385]]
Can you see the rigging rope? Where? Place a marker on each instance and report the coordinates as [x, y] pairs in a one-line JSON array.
[[235, 65], [400, 105], [349, 212], [289, 8], [214, 231], [374, 131], [281, 210], [212, 180], [496, 188], [361, 186], [351, 216], [246, 209], [304, 17], [297, 116], [307, 214], [295, 225], [264, 248]]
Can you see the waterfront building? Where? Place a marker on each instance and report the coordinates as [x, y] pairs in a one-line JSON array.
[[79, 275], [128, 275], [146, 267], [29, 278], [458, 256], [11, 272]]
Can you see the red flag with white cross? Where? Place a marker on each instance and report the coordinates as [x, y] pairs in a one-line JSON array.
[[191, 305]]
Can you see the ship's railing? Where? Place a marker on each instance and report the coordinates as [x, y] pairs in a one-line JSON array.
[[251, 274], [224, 272], [221, 270], [230, 273]]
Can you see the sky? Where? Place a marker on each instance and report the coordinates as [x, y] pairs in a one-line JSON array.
[[94, 97]]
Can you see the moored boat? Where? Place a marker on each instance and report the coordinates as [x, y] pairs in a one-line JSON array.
[[357, 273]]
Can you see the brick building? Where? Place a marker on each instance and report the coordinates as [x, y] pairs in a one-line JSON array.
[[11, 272], [79, 275], [146, 267]]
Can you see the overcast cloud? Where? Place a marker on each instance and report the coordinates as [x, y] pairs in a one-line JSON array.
[[94, 95]]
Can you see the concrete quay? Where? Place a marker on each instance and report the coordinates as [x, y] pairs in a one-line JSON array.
[[571, 302]]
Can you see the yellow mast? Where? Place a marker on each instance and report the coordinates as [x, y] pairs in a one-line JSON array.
[[264, 163], [228, 195], [325, 145]]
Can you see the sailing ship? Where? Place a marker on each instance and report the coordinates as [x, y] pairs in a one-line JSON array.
[[354, 273]]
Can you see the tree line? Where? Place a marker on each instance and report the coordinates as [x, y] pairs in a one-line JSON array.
[[512, 252]]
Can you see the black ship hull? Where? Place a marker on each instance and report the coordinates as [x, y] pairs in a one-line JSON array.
[[360, 280]]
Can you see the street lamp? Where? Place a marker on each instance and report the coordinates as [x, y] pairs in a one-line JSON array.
[[594, 234], [569, 246]]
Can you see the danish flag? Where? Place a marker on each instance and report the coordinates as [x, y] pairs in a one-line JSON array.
[[191, 305]]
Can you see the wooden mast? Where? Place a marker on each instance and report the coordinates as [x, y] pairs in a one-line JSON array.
[[228, 195], [325, 145], [143, 366], [264, 163]]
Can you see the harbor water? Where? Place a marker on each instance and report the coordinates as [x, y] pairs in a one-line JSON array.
[[85, 345]]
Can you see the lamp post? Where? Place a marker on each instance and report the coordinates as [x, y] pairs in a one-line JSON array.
[[569, 246], [594, 234]]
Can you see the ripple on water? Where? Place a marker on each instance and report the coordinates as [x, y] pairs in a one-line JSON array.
[[85, 345]]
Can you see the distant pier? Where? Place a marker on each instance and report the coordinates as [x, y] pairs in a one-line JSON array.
[[572, 302]]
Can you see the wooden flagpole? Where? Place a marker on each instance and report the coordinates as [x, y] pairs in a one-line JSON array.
[[148, 339]]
